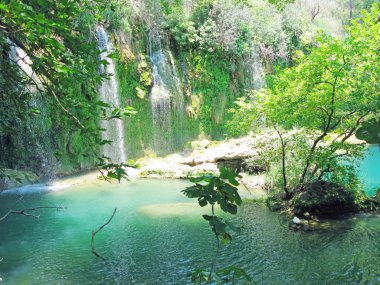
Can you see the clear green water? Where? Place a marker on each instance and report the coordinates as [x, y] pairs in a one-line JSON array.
[[157, 236], [369, 170]]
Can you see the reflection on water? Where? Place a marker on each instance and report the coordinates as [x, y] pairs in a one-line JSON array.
[[157, 236], [172, 209]]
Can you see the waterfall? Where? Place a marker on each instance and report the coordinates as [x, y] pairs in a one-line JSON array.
[[108, 91], [19, 57], [165, 94], [255, 75], [38, 133]]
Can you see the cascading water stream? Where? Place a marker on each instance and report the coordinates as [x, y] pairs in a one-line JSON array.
[[166, 92], [37, 129], [108, 91], [255, 75], [19, 57]]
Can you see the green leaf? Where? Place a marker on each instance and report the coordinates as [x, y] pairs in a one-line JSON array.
[[226, 238], [103, 104], [232, 227], [4, 7], [232, 209], [113, 55], [219, 226], [235, 271], [207, 217], [202, 202], [196, 179], [229, 175], [103, 142]]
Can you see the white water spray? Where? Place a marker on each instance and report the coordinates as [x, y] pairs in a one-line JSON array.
[[36, 126], [166, 92], [108, 91], [255, 75]]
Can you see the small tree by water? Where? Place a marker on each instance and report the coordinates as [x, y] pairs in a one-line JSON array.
[[316, 106]]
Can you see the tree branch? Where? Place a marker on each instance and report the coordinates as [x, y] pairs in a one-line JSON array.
[[327, 128], [25, 211], [341, 120], [97, 231], [358, 123], [46, 85], [284, 180], [214, 260], [315, 11]]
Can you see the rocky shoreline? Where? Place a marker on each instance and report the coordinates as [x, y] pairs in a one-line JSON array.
[[11, 178], [203, 157], [207, 157]]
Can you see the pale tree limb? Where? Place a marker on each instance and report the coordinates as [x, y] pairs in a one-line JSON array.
[[50, 91], [245, 185], [315, 11], [283, 160], [1, 259], [25, 212], [98, 230]]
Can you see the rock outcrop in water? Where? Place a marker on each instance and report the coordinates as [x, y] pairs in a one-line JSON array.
[[324, 198]]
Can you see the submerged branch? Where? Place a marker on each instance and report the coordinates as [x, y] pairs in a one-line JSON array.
[[94, 234], [25, 211]]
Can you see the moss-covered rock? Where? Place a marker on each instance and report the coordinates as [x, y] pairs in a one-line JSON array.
[[326, 199], [11, 178], [277, 203], [321, 199]]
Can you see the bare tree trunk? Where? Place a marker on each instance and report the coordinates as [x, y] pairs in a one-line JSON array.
[[351, 5], [315, 11], [215, 259], [328, 126], [284, 180], [312, 150]]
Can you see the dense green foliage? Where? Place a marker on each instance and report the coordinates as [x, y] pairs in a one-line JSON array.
[[49, 84], [326, 199], [220, 49], [316, 106], [306, 93], [49, 78], [217, 50]]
